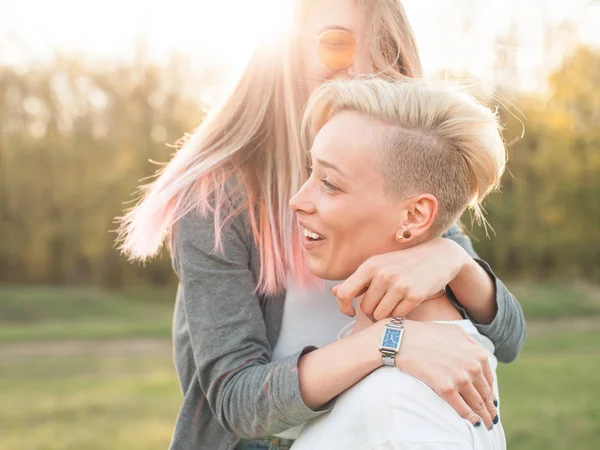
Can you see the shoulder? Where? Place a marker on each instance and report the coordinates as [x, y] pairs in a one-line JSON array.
[[212, 240], [222, 218], [455, 231], [417, 414], [205, 229]]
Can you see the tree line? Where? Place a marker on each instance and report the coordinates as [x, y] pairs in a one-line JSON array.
[[76, 138]]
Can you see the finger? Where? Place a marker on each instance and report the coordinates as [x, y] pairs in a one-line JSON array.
[[403, 308], [475, 402], [344, 307], [482, 386], [354, 284], [454, 399], [334, 290], [386, 306], [487, 371], [435, 296], [372, 298], [483, 380]]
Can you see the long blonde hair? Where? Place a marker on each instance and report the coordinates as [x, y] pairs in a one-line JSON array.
[[247, 155], [438, 140]]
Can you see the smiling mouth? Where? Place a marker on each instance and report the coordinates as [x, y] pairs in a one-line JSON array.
[[312, 236]]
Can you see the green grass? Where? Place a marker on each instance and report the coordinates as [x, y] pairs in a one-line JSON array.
[[32, 304], [91, 329], [105, 393], [554, 300], [549, 399], [43, 313], [101, 402], [551, 396]]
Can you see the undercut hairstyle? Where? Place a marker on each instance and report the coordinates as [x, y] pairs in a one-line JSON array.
[[438, 140]]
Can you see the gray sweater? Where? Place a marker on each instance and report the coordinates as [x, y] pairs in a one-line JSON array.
[[224, 333]]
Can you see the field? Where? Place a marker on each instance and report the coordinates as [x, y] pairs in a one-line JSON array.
[[91, 369]]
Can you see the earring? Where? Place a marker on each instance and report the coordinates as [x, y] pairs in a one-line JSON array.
[[405, 235]]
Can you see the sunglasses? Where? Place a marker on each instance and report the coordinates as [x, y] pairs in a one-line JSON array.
[[336, 48]]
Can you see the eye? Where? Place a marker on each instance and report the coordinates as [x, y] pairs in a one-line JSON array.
[[328, 186]]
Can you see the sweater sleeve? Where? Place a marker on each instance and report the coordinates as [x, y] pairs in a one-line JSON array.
[[507, 330], [250, 396]]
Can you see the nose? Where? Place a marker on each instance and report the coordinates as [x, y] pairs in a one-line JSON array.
[[302, 202], [359, 66], [346, 73], [350, 71]]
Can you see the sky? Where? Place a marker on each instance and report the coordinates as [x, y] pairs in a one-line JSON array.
[[457, 36]]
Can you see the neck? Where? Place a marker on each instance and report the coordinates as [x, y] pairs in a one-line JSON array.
[[440, 308]]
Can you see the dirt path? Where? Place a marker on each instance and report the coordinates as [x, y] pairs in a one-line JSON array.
[[140, 346], [134, 346]]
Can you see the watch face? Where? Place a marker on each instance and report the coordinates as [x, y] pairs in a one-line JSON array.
[[391, 339]]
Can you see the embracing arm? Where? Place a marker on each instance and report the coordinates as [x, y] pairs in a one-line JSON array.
[[252, 396], [249, 395], [487, 302]]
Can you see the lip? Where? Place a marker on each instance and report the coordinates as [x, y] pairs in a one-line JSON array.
[[309, 244], [314, 230]]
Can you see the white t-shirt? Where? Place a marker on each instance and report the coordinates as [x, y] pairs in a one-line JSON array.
[[391, 410], [317, 307]]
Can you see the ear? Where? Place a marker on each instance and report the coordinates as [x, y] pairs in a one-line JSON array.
[[421, 211]]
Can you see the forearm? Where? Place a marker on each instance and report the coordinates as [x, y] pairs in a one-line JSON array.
[[327, 372], [476, 292], [507, 326], [507, 330]]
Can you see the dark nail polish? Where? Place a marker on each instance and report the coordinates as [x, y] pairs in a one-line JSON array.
[[478, 423], [491, 427], [496, 419], [496, 402]]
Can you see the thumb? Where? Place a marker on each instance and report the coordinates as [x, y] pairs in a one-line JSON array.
[[345, 307], [334, 289]]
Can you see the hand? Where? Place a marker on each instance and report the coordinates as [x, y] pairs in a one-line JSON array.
[[395, 283], [450, 362]]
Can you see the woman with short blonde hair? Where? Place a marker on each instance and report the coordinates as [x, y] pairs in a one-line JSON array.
[[393, 166]]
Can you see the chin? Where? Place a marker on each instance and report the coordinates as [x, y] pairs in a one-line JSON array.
[[325, 271], [318, 269]]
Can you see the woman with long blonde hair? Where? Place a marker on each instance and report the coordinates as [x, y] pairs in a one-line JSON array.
[[249, 316]]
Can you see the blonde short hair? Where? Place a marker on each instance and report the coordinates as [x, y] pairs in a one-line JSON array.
[[441, 140]]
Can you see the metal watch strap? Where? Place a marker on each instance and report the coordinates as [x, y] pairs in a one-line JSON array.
[[389, 359], [399, 321]]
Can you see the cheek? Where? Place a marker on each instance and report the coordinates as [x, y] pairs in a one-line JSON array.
[[315, 73], [358, 238], [349, 240]]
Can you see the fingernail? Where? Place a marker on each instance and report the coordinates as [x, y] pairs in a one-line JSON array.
[[496, 402], [478, 423], [496, 419], [491, 427]]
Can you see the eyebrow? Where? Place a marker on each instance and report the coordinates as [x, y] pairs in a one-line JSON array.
[[334, 27], [330, 166]]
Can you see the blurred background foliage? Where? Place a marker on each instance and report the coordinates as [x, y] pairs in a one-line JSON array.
[[75, 140], [85, 353]]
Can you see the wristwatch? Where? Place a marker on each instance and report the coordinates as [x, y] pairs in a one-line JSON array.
[[390, 341]]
